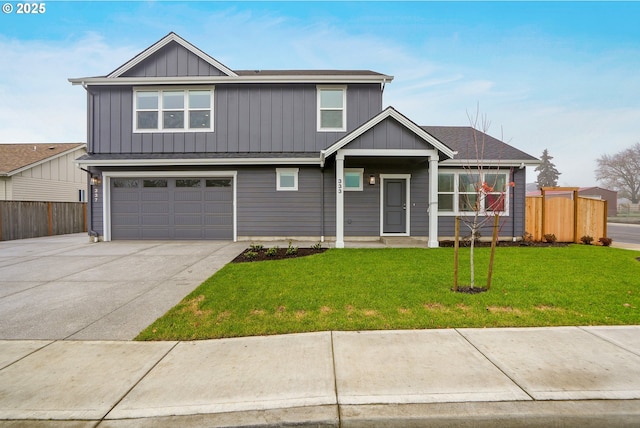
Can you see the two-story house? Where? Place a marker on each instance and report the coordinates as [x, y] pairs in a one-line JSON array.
[[182, 147]]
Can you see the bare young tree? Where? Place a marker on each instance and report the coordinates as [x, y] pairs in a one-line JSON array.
[[621, 172], [483, 188]]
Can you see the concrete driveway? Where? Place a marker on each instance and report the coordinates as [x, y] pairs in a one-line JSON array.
[[65, 287]]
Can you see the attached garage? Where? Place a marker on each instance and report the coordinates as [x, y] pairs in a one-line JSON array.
[[148, 207]]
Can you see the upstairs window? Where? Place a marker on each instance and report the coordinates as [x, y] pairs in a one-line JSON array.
[[332, 108], [173, 110]]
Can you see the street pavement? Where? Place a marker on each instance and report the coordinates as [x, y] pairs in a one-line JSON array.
[[80, 368]]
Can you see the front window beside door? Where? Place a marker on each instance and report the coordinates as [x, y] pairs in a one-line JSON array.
[[465, 192]]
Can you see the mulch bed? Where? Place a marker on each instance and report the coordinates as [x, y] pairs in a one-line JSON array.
[[469, 290], [505, 244], [281, 253]]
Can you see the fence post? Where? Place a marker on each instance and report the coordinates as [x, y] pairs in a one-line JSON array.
[[50, 217], [456, 249], [604, 226], [575, 216], [542, 225]]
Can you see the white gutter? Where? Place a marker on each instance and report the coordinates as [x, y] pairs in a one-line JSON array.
[[193, 162], [190, 80]]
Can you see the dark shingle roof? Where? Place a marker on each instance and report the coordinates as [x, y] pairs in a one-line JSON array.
[[469, 143]]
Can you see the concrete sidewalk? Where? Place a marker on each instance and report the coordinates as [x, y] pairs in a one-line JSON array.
[[564, 376]]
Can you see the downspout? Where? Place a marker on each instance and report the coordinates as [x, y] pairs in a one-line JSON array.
[[322, 204], [92, 233]]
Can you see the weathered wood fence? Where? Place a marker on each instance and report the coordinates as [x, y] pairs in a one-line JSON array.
[[560, 211], [31, 219]]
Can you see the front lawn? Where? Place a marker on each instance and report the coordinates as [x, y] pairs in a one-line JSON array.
[[370, 289]]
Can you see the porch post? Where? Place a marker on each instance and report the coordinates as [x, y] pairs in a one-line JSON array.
[[433, 201], [339, 200]]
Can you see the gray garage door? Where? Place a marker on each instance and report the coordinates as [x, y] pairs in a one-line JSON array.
[[172, 208]]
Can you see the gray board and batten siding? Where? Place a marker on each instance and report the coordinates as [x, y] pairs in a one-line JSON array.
[[254, 118]]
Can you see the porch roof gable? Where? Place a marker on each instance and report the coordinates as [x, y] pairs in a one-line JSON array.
[[389, 112]]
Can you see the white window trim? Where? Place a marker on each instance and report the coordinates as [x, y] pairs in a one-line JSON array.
[[293, 171], [456, 193], [354, 189], [186, 109], [342, 88]]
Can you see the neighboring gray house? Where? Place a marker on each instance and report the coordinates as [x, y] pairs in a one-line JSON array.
[[182, 147]]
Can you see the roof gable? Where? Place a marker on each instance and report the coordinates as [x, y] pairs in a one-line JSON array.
[[404, 125], [172, 56], [18, 157]]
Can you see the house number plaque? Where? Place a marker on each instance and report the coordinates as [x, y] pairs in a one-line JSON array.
[[339, 185], [95, 194]]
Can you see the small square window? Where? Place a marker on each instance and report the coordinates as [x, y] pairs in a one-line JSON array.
[[287, 179], [353, 179]]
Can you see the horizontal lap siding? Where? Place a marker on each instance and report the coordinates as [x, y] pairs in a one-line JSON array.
[[248, 118], [263, 211]]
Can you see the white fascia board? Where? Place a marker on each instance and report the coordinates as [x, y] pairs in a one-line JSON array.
[[197, 162], [387, 152], [388, 112], [49, 159], [184, 173], [489, 162], [172, 37], [211, 80]]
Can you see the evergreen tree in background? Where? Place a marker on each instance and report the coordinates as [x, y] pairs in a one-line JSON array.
[[547, 172]]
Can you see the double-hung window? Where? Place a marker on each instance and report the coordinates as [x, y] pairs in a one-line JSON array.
[[332, 108], [173, 110], [466, 191]]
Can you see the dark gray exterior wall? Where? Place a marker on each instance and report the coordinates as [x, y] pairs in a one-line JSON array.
[[389, 134], [173, 61], [264, 211], [250, 118]]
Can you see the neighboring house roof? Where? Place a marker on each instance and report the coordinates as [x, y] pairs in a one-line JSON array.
[[15, 158], [472, 145], [558, 192], [119, 76]]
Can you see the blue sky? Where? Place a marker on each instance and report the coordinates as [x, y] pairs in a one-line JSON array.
[[557, 75]]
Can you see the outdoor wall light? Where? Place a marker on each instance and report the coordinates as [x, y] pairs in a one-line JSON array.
[[372, 180], [95, 181]]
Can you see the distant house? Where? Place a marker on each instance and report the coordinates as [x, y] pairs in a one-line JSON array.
[[611, 196], [182, 147], [42, 172]]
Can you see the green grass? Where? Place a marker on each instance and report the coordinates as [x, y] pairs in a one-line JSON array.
[[368, 289]]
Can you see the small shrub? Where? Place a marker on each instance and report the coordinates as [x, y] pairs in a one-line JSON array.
[[250, 255], [586, 239], [527, 237], [605, 241], [317, 246], [272, 252], [256, 247], [291, 250], [550, 238]]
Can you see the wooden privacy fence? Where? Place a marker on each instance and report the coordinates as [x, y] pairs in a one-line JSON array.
[[31, 219], [560, 211]]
